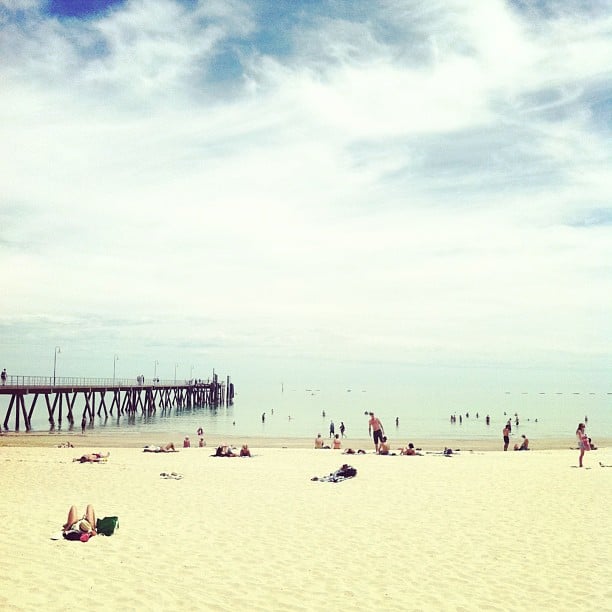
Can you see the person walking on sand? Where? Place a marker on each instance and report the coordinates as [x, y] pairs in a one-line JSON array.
[[332, 429], [506, 434], [376, 429], [583, 442], [342, 428]]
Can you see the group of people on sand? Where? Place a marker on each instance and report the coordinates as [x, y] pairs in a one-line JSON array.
[[187, 442], [523, 446], [336, 442], [382, 446], [224, 450]]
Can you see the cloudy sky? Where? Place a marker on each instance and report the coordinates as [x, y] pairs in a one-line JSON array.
[[308, 190]]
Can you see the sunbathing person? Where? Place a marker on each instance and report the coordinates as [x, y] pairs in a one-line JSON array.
[[244, 451], [409, 450], [383, 447], [92, 458], [76, 528], [524, 446], [166, 448], [224, 451]]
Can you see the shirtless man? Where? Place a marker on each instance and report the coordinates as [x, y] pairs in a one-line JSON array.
[[375, 428], [318, 441], [506, 434]]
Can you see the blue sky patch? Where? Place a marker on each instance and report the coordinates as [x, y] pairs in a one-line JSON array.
[[81, 8]]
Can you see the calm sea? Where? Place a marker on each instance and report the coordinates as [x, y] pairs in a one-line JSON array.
[[304, 412]]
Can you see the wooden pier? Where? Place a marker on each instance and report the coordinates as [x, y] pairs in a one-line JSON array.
[[104, 398]]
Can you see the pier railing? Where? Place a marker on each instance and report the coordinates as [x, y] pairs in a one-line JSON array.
[[14, 380]]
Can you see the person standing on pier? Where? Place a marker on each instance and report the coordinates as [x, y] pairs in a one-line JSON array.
[[376, 429], [3, 376]]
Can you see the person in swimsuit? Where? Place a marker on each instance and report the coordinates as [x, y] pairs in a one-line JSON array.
[[318, 443], [166, 448], [583, 442], [92, 457], [336, 443], [506, 434], [76, 528], [375, 428], [383, 447]]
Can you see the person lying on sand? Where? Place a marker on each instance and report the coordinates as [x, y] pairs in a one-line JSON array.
[[76, 528], [167, 448], [352, 451], [92, 458]]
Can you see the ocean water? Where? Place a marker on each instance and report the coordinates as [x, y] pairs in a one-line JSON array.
[[305, 412]]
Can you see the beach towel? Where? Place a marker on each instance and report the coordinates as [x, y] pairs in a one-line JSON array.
[[344, 473], [107, 525]]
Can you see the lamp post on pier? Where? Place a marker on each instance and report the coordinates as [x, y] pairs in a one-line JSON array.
[[57, 350], [115, 360]]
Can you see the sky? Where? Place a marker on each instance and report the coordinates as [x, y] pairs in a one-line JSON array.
[[317, 192]]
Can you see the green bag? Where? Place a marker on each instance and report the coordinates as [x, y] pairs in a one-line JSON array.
[[107, 525]]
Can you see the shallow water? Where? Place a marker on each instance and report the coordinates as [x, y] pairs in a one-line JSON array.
[[299, 413]]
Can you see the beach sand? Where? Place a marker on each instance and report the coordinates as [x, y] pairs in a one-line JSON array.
[[481, 530]]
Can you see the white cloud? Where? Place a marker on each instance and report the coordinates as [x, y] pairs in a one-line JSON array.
[[405, 187]]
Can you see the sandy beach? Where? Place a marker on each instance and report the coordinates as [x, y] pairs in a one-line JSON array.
[[482, 529]]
